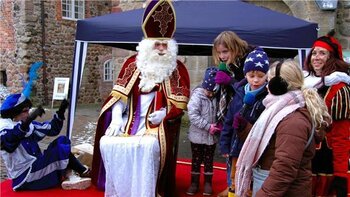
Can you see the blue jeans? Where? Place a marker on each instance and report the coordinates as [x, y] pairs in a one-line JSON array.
[[228, 171], [259, 177]]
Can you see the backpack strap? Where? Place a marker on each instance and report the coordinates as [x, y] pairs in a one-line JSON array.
[[311, 136]]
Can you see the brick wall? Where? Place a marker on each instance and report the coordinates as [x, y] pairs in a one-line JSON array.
[[52, 43], [8, 46]]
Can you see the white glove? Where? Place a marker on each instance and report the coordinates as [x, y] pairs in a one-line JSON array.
[[157, 116], [336, 77], [115, 128]]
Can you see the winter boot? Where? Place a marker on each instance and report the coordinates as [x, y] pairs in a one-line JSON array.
[[208, 190], [231, 192], [193, 189]]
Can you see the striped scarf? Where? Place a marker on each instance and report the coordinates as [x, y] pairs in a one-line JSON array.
[[225, 99], [222, 105]]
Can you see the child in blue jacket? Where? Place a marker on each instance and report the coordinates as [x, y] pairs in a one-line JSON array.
[[245, 107]]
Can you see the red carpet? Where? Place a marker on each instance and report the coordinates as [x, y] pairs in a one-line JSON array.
[[183, 181], [6, 190], [183, 178]]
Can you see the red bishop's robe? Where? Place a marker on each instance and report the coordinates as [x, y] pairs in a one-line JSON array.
[[173, 94]]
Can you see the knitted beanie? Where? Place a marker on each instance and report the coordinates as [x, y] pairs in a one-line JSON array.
[[256, 60], [209, 78]]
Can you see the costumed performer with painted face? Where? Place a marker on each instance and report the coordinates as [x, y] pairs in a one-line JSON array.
[[134, 143]]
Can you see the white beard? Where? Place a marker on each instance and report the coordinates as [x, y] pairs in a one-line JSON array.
[[154, 68]]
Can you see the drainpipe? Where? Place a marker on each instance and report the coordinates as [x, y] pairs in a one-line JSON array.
[[43, 52]]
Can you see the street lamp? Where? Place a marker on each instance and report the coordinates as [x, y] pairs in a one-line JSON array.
[[327, 4]]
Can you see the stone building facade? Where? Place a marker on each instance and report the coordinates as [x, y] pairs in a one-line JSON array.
[[34, 30]]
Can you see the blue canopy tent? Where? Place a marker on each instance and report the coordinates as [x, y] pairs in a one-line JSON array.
[[197, 25]]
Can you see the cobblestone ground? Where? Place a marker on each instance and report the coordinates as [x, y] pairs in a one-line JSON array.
[[84, 132]]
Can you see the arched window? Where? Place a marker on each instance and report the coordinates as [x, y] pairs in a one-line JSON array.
[[108, 70]]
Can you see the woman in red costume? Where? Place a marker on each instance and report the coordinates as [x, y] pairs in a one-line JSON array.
[[328, 72]]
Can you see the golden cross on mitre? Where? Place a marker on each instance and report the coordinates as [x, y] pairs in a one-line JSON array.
[[163, 17], [159, 20]]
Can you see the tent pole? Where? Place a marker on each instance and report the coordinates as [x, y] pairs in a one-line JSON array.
[[77, 72]]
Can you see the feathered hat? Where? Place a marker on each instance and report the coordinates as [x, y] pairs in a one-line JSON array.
[[15, 103], [159, 21], [330, 43]]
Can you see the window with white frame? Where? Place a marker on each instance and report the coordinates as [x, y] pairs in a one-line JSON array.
[[73, 9], [108, 70]]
